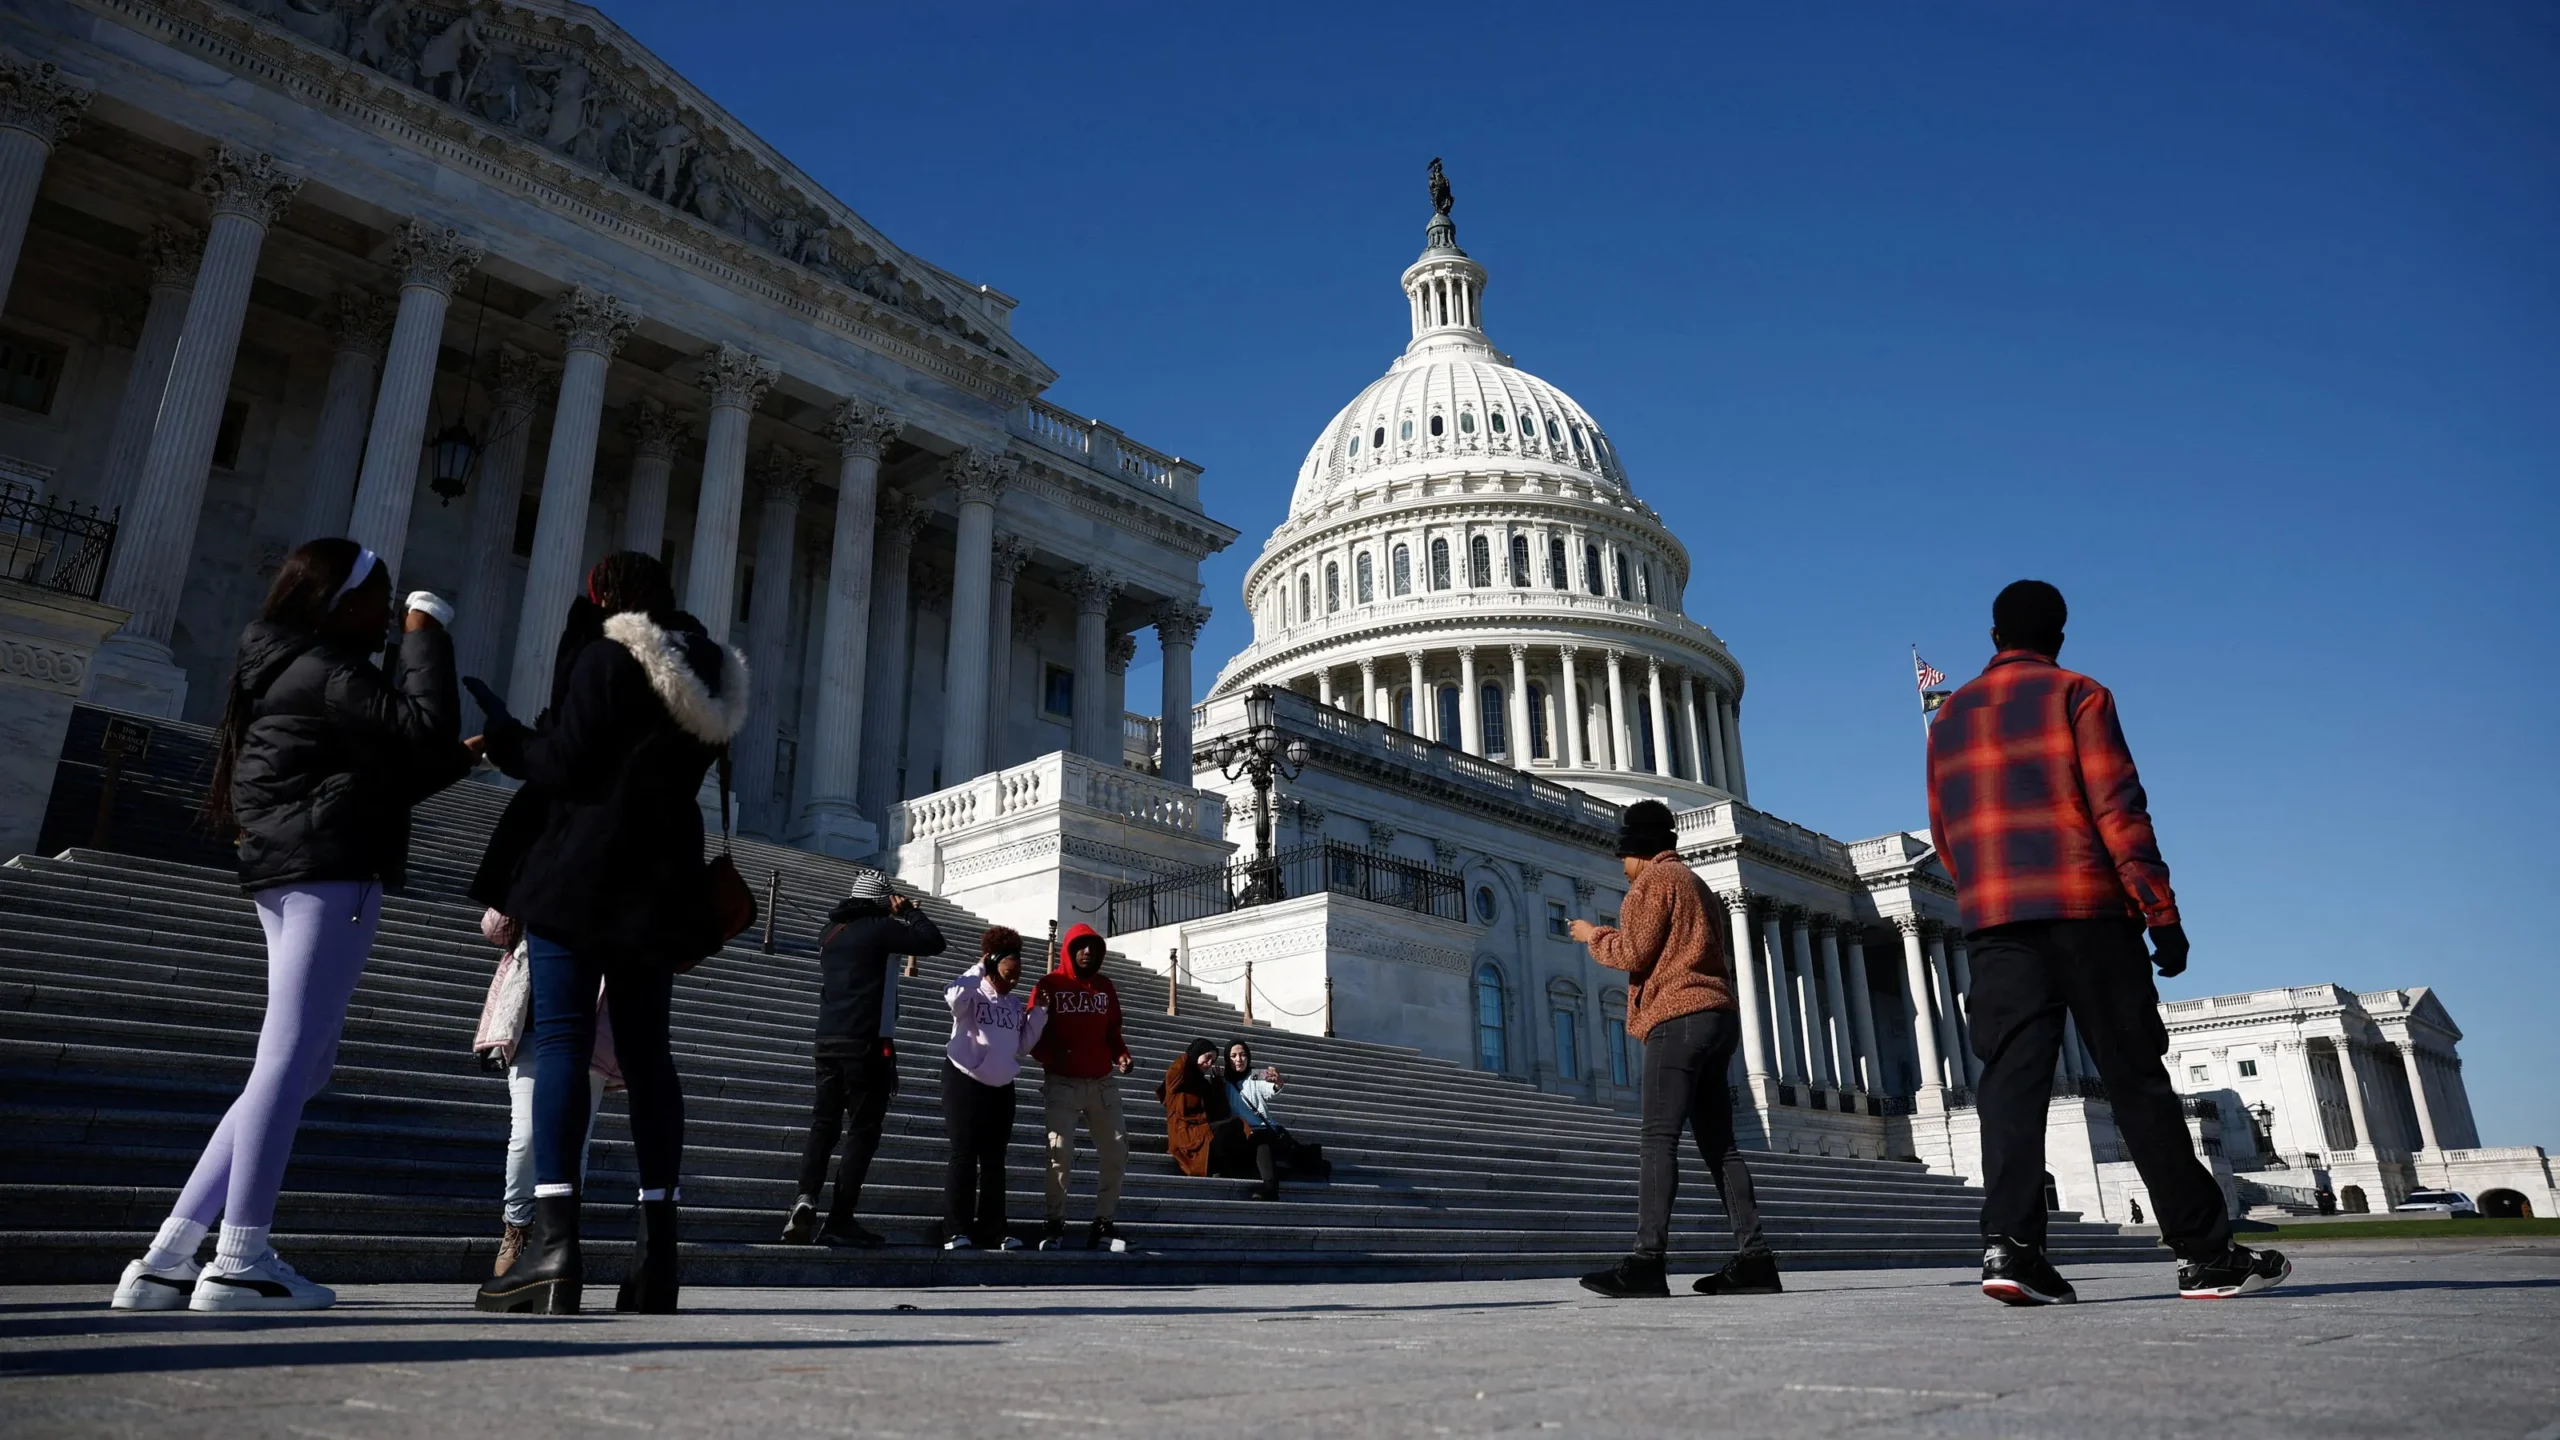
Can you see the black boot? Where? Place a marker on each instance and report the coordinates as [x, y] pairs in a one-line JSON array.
[[1753, 1272], [651, 1290], [547, 1278], [1635, 1277]]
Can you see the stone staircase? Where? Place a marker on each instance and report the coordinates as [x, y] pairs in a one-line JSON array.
[[131, 987]]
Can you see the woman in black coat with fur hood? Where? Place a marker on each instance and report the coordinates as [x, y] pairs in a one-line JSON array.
[[609, 883]]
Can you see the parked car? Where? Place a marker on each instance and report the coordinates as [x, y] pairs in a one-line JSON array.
[[2451, 1203]]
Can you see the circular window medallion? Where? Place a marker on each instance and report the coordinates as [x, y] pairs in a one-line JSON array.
[[1484, 904]]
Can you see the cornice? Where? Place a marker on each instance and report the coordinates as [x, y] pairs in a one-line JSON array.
[[1120, 505], [1260, 662]]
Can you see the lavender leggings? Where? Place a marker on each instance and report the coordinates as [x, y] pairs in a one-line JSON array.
[[317, 939]]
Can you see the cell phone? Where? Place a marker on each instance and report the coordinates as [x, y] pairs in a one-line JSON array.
[[490, 704]]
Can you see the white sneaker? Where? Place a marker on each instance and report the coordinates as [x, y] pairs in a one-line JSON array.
[[267, 1283], [958, 1242], [1011, 1242], [144, 1288]]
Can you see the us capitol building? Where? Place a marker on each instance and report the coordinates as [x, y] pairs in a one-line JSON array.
[[495, 290]]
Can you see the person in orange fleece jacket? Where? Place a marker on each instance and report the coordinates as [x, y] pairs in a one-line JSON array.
[[1080, 1052]]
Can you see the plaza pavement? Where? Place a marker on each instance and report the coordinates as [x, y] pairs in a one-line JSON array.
[[2442, 1339]]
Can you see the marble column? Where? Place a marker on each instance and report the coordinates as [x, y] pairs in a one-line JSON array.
[[359, 327], [1782, 1000], [735, 381], [656, 433], [1004, 564], [1836, 1029], [480, 629], [1924, 1022], [1689, 727], [1569, 712], [2415, 1062], [592, 327], [1178, 625], [1716, 771], [1960, 977], [1373, 706], [977, 480], [1821, 1065], [1734, 765], [1654, 711], [1097, 731], [433, 260], [1324, 687], [171, 253], [1618, 757], [2351, 1078], [40, 106], [1950, 1024], [831, 819], [157, 540], [883, 736], [1746, 981], [1516, 745], [1861, 1008], [1470, 712], [783, 481], [1116, 658]]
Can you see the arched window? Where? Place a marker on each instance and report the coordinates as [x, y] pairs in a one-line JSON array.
[[1435, 424], [1401, 565], [1440, 564], [1564, 1011], [1306, 597], [1364, 575], [1480, 562], [1452, 702], [1491, 710], [1626, 575], [1496, 417], [1355, 444], [1404, 430], [1332, 586], [1553, 438], [1538, 722], [1592, 579], [1466, 422], [1613, 1018], [1557, 568], [1378, 441], [1519, 562], [1492, 1050]]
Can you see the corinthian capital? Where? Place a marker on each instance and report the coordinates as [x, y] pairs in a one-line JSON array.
[[783, 475], [37, 96], [862, 430], [733, 377], [900, 518], [361, 323], [592, 320], [172, 253], [434, 257], [1010, 554], [1094, 589], [520, 379], [978, 477], [1117, 655], [246, 183], [656, 432], [1178, 622]]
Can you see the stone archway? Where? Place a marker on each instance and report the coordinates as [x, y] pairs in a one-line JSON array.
[[2505, 1205], [2351, 1201]]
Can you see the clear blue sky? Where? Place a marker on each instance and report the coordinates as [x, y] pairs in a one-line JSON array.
[[2240, 322]]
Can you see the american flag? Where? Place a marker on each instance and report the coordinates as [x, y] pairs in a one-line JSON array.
[[1930, 678]]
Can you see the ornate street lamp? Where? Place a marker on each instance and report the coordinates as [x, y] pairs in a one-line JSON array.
[[450, 456], [1259, 753]]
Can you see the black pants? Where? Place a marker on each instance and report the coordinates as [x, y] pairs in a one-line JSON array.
[[1244, 1154], [1685, 1059], [2025, 976], [858, 1086], [978, 1119]]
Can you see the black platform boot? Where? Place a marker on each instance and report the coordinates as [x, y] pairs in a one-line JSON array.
[[651, 1290], [547, 1278]]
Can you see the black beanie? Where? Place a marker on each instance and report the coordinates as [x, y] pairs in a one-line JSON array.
[[1644, 831]]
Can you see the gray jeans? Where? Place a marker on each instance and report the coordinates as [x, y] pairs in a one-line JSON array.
[[1685, 1059]]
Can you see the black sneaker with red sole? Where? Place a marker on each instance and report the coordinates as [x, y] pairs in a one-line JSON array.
[[2016, 1274], [2235, 1272]]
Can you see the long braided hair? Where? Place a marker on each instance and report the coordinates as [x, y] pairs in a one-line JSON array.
[[629, 580]]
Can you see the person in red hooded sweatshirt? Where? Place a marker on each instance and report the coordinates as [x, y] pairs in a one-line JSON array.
[[1080, 1052]]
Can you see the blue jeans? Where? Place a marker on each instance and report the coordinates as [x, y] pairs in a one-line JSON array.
[[564, 1039]]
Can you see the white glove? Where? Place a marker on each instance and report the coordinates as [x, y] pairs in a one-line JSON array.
[[434, 604]]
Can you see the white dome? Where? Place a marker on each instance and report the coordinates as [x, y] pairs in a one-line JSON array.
[[1485, 407]]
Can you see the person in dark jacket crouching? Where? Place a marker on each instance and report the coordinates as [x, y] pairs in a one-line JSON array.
[[857, 1050], [318, 761], [611, 885]]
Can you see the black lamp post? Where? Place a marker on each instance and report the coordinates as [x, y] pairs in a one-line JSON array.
[[450, 456], [1258, 752]]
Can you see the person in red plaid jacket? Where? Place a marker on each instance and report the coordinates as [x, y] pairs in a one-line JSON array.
[[2040, 819]]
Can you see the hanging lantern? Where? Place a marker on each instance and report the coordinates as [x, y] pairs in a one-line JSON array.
[[450, 456]]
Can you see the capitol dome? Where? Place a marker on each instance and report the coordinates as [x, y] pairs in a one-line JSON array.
[[1464, 558]]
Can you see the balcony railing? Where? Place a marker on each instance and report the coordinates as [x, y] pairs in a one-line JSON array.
[[62, 548], [1105, 449], [1328, 867]]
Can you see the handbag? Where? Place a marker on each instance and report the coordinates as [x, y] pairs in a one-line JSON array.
[[733, 903]]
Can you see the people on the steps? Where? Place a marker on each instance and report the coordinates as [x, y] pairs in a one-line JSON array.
[[856, 1050], [1081, 1054], [319, 758], [1249, 1096], [2041, 821], [1202, 1131], [1681, 1010], [506, 1023], [611, 884], [990, 1033]]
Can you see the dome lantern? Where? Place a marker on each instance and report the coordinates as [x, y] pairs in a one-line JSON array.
[[1444, 288]]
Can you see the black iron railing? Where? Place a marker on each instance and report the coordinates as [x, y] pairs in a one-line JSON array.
[[63, 548], [1330, 867]]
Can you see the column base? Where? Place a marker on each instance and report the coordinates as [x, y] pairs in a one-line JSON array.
[[835, 827], [137, 675]]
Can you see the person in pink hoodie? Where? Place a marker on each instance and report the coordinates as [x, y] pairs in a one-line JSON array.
[[1079, 1053], [989, 1036]]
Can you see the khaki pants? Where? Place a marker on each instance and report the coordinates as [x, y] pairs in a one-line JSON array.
[[1097, 1102]]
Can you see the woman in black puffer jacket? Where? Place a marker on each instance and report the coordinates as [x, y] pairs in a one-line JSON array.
[[609, 882], [319, 759]]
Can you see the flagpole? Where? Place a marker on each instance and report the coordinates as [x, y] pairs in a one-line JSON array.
[[1924, 696]]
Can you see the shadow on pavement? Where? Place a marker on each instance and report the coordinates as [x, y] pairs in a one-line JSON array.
[[141, 1359]]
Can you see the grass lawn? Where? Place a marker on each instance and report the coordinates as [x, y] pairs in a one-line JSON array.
[[2413, 1229]]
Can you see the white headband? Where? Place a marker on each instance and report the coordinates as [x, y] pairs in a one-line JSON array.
[[356, 574]]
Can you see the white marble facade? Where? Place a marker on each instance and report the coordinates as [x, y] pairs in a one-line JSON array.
[[262, 254]]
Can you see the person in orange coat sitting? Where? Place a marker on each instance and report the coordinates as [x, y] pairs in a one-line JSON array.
[[1201, 1130]]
